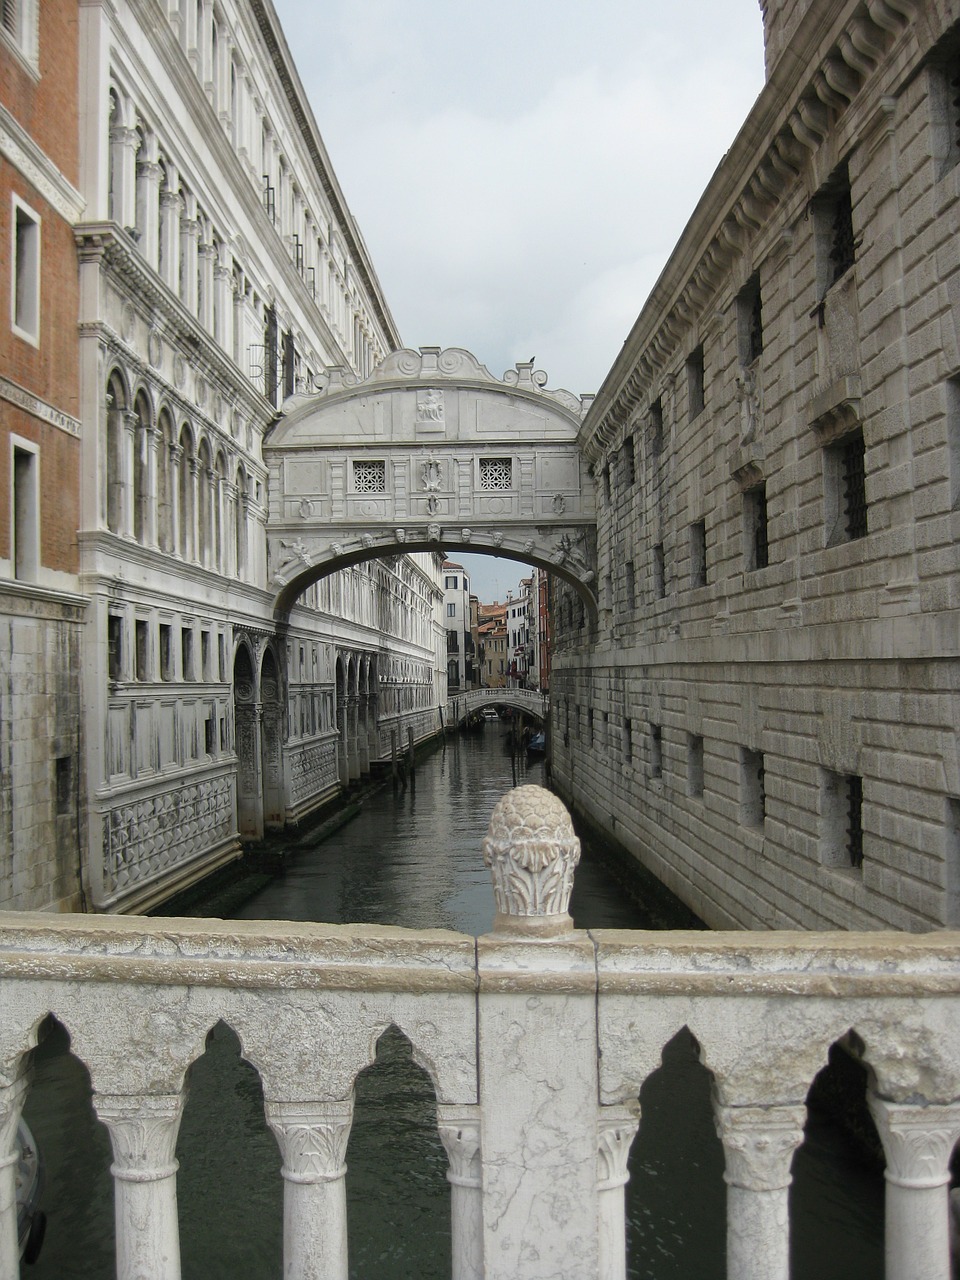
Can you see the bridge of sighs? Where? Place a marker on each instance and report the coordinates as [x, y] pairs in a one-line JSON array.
[[429, 452]]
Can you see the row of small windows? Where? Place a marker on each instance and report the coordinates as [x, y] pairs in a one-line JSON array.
[[164, 652], [846, 520]]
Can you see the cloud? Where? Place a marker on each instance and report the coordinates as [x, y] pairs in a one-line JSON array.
[[517, 200]]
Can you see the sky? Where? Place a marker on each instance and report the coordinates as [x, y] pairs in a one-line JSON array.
[[521, 169]]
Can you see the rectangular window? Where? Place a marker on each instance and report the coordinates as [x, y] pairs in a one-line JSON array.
[[114, 647], [659, 572], [750, 321], [450, 584], [951, 852], [629, 461], [205, 655], [695, 382], [18, 23], [142, 656], [753, 801], [841, 820], [845, 496], [166, 664], [496, 473], [628, 741], [834, 244], [694, 764], [186, 653], [222, 656], [756, 553], [370, 477], [656, 428], [25, 273], [590, 726], [451, 610], [656, 751], [26, 513], [210, 732], [606, 483], [698, 553], [944, 93], [631, 586], [63, 781]]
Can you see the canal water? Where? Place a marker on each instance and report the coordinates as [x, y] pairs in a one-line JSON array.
[[413, 859]]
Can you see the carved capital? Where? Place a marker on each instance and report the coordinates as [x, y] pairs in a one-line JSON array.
[[759, 1143], [618, 1127], [532, 851], [917, 1140], [312, 1137], [459, 1129], [143, 1133]]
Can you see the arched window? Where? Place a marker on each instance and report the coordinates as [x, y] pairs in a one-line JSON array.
[[141, 471], [205, 504], [219, 498], [185, 483], [113, 470], [165, 479], [240, 517]]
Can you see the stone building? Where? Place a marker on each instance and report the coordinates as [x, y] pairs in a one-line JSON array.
[[770, 709], [41, 610], [456, 620], [220, 272]]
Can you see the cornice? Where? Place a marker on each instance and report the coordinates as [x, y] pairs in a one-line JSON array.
[[814, 81], [17, 147]]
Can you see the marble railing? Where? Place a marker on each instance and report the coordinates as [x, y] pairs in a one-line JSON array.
[[530, 700], [537, 1038]]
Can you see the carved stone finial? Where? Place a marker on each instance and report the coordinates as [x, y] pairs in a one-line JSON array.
[[531, 850]]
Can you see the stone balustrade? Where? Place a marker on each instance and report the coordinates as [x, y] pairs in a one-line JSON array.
[[537, 1042]]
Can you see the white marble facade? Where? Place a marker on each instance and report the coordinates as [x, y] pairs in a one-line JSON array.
[[220, 271]]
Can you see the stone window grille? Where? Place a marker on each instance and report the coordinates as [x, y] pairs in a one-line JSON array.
[[694, 764], [656, 751], [631, 586], [750, 321], [370, 477], [629, 462], [753, 800], [628, 741], [756, 545], [590, 726], [845, 489], [496, 473], [698, 553], [114, 647], [945, 102], [656, 428], [659, 572], [842, 820], [696, 391], [834, 240], [142, 649]]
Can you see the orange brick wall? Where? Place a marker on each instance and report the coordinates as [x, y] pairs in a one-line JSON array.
[[48, 109]]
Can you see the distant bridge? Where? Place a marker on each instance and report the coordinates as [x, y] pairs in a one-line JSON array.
[[527, 700]]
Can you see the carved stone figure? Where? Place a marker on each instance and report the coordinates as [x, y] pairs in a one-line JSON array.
[[430, 405], [749, 399], [431, 475]]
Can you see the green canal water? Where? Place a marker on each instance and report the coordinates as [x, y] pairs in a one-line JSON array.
[[413, 859]]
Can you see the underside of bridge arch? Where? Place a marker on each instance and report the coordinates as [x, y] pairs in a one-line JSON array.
[[430, 453]]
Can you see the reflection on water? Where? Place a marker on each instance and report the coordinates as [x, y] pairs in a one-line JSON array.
[[414, 859]]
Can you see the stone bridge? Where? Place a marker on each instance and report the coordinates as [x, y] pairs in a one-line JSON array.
[[529, 701], [537, 1038], [430, 452]]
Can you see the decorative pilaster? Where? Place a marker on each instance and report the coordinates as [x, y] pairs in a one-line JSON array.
[[208, 257], [128, 456], [189, 242], [313, 1142], [195, 481], [151, 446], [124, 144], [143, 1134], [176, 453], [149, 178], [223, 307], [758, 1143], [918, 1141], [459, 1128], [171, 208], [617, 1129], [12, 1097]]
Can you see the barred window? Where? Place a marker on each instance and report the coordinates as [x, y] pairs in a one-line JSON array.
[[496, 473], [370, 477]]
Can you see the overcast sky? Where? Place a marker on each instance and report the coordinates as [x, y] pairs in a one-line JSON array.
[[521, 169]]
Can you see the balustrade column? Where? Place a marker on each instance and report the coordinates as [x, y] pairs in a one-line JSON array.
[[12, 1097], [917, 1141], [143, 1133], [758, 1143], [313, 1142], [459, 1128], [618, 1128]]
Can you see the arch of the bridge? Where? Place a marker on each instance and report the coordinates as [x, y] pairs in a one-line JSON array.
[[429, 453], [530, 703]]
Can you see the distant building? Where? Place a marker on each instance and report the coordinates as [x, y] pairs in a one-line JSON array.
[[456, 619]]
